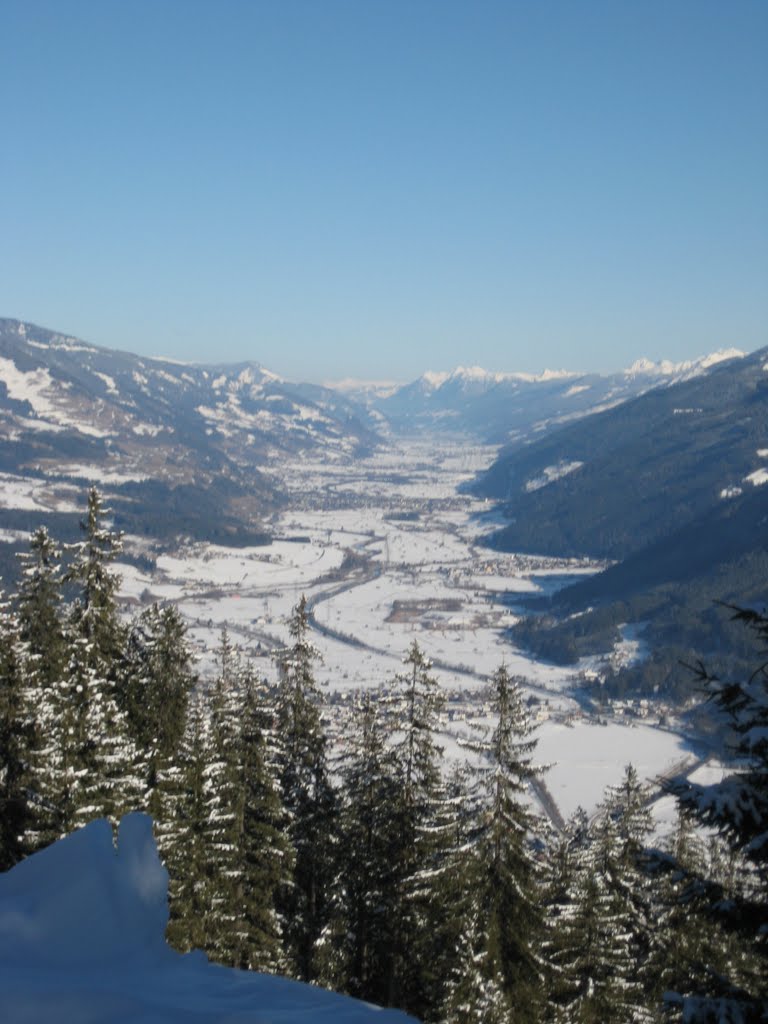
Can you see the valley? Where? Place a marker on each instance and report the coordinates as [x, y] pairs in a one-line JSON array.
[[387, 550]]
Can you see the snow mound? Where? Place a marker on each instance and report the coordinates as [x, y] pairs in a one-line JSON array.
[[82, 928]]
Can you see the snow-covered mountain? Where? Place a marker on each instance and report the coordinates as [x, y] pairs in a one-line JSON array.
[[506, 406], [82, 939], [71, 413]]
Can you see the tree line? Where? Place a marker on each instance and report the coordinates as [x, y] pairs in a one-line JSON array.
[[370, 867]]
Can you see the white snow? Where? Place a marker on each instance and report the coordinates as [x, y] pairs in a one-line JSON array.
[[148, 429], [667, 368], [730, 492], [551, 473], [82, 926], [109, 381], [33, 495], [93, 473], [759, 477], [434, 378], [13, 537], [585, 758], [37, 388]]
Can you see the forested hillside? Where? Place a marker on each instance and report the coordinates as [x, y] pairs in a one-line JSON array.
[[372, 868], [670, 485], [615, 482]]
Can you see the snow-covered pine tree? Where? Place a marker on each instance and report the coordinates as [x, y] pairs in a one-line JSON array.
[[159, 677], [355, 950], [224, 802], [181, 830], [266, 852], [15, 741], [44, 652], [737, 808], [102, 771], [688, 945], [589, 942], [563, 864], [110, 776], [626, 825], [94, 613], [307, 795], [248, 858], [39, 607], [413, 709], [597, 929], [503, 930]]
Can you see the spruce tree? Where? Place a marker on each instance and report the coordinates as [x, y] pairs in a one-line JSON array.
[[266, 853], [111, 776], [40, 609], [94, 613], [98, 771], [357, 945], [599, 923], [590, 940], [737, 808], [15, 741], [688, 947], [248, 858], [414, 710], [158, 679], [181, 830], [500, 952], [306, 794]]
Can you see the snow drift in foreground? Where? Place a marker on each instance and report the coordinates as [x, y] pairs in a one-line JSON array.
[[82, 941]]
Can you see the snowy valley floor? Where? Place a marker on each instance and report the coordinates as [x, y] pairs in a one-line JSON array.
[[387, 550]]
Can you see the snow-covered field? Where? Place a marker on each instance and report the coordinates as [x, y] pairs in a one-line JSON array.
[[387, 551]]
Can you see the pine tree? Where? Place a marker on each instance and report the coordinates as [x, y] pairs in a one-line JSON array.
[[307, 796], [504, 923], [248, 860], [598, 920], [97, 771], [413, 710], [688, 946], [159, 677], [39, 608], [267, 857], [356, 947], [737, 808], [94, 614], [44, 654], [590, 942], [110, 776], [224, 801], [15, 741], [181, 830]]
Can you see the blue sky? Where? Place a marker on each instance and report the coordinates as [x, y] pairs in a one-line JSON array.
[[377, 187]]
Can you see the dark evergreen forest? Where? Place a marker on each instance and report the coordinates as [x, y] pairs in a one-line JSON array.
[[371, 868]]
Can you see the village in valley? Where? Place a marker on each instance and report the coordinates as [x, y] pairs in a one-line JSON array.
[[389, 550]]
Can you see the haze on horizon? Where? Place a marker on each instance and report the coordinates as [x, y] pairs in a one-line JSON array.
[[372, 190]]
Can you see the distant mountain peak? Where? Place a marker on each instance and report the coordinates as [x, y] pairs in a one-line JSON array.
[[666, 368]]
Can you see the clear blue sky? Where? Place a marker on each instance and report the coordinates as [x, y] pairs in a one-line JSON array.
[[377, 187]]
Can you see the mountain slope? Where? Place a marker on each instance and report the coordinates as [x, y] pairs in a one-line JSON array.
[[501, 407], [615, 482], [159, 434]]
